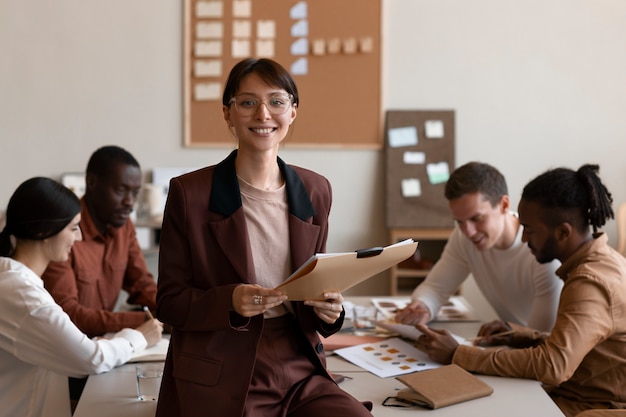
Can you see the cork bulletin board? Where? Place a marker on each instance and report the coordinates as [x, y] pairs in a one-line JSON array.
[[419, 157], [330, 47]]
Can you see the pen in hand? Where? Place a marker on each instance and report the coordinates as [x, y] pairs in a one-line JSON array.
[[148, 313], [479, 338]]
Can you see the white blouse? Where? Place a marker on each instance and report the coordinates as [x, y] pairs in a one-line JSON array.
[[40, 347]]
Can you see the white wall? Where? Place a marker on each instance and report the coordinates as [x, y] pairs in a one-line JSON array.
[[535, 84]]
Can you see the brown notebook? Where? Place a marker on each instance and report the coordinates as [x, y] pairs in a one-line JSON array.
[[440, 387]]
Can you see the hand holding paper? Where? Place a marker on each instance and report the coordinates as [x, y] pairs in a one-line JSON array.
[[251, 299], [330, 309]]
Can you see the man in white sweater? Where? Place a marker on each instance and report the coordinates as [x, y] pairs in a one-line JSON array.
[[487, 244]]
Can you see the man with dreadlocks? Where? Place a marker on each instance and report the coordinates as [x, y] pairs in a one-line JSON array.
[[582, 361]]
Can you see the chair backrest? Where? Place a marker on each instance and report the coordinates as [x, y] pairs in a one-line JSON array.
[[621, 229]]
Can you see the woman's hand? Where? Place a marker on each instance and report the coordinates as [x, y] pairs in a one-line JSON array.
[[329, 310], [152, 330], [250, 300]]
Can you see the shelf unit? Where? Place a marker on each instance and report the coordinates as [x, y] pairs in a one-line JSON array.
[[148, 234], [410, 273]]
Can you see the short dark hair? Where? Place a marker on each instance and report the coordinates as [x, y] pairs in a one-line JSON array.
[[476, 177], [38, 209], [271, 72], [106, 157], [577, 197]]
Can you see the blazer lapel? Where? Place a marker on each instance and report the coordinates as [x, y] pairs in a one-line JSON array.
[[305, 245], [230, 228], [232, 236]]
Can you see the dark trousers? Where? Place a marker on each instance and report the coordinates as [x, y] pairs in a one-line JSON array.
[[286, 383]]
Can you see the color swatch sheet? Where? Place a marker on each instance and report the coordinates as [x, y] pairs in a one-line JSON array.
[[390, 357]]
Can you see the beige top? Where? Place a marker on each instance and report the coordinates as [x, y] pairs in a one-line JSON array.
[[268, 229]]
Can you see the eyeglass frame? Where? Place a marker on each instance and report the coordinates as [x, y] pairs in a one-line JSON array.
[[401, 403], [290, 97]]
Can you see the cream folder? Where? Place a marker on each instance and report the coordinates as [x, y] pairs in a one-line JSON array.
[[336, 272]]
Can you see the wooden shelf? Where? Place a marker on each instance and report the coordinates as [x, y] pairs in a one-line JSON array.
[[407, 275]]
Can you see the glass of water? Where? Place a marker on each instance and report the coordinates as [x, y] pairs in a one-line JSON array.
[[149, 375]]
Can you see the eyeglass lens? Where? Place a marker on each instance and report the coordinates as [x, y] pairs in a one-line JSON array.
[[248, 104]]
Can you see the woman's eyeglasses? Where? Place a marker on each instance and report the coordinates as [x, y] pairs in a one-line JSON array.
[[247, 105]]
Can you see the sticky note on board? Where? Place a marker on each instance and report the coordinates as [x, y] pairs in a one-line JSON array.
[[366, 45], [265, 48], [334, 45], [414, 158], [207, 68], [208, 48], [242, 8], [209, 9], [434, 129], [300, 28], [242, 29], [300, 66], [240, 48], [207, 91], [209, 30], [438, 173], [411, 187], [266, 29], [298, 11], [300, 47], [349, 46], [318, 47], [402, 136]]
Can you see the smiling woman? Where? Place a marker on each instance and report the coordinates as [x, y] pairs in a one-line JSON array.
[[232, 233]]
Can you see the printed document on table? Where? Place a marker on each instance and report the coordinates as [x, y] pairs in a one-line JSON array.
[[390, 357], [410, 331], [455, 309]]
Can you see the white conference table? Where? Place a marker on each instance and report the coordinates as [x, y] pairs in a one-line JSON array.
[[114, 393], [511, 397]]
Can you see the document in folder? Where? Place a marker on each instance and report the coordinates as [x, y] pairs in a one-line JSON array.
[[336, 272]]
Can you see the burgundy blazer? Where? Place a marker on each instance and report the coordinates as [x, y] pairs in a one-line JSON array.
[[204, 254]]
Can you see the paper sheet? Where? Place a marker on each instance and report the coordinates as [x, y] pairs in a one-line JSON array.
[[387, 358], [156, 353], [402, 136], [456, 309]]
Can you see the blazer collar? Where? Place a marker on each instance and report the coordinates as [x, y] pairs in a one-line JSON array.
[[226, 196]]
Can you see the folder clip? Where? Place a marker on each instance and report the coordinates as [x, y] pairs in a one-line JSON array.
[[369, 252]]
